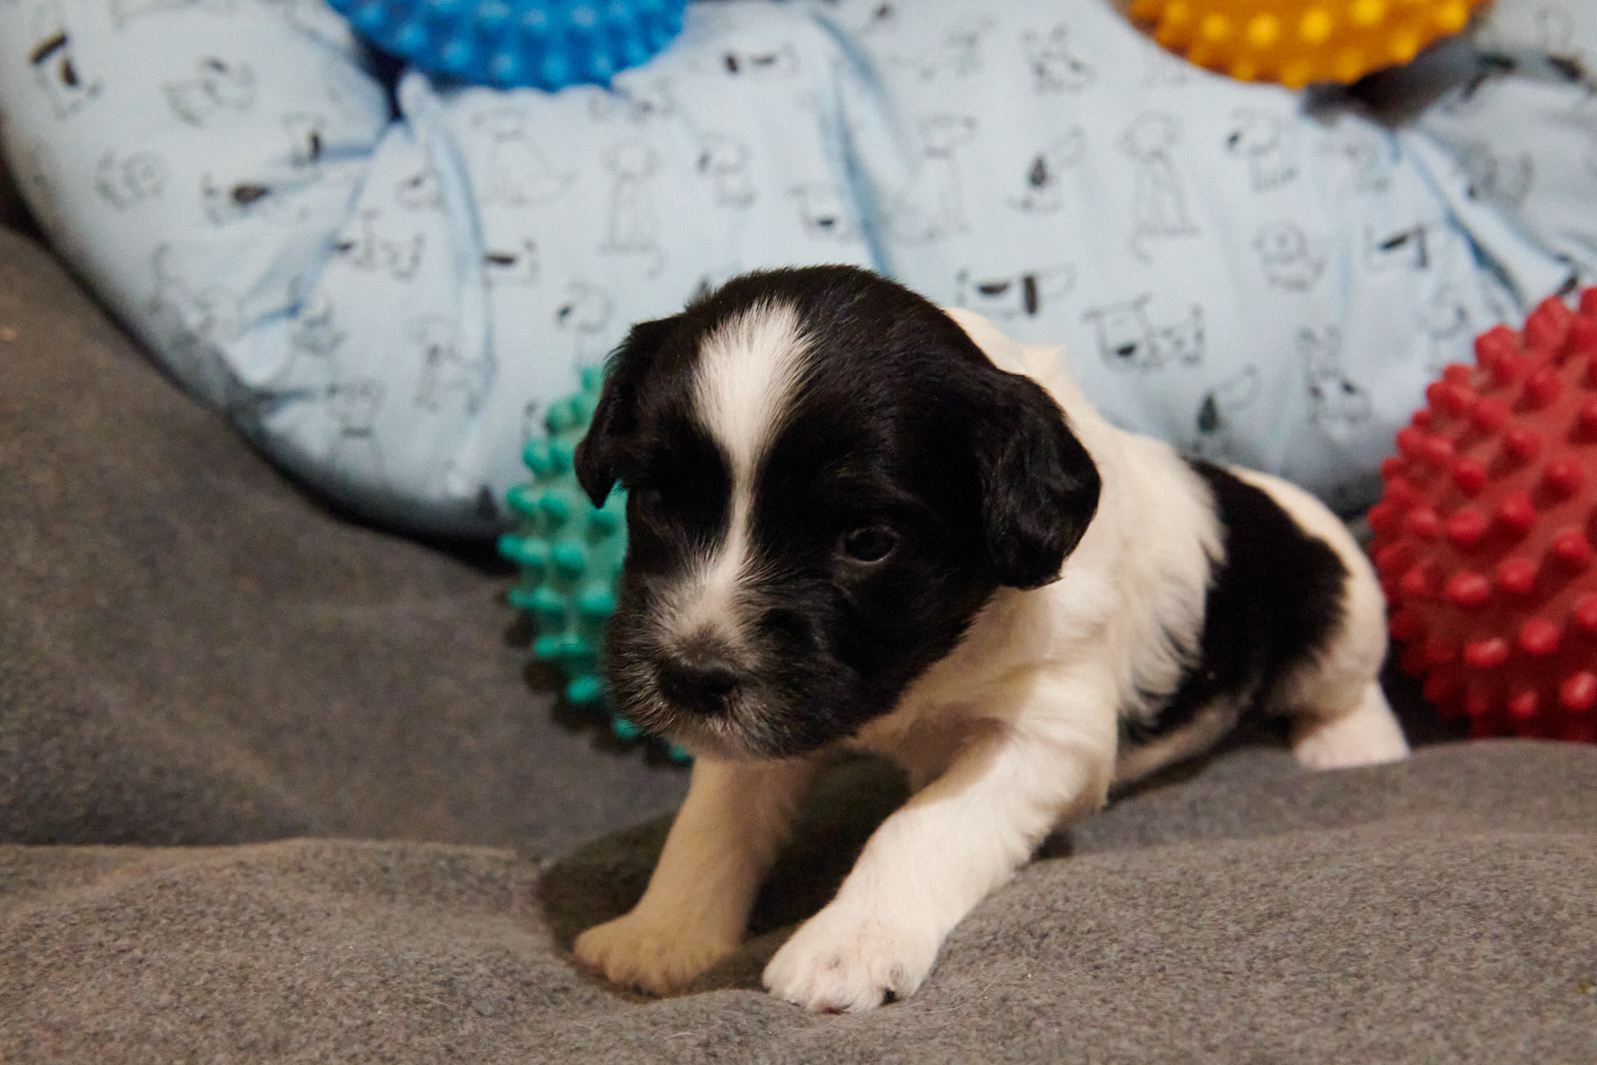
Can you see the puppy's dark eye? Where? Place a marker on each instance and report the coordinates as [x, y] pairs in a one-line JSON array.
[[873, 543]]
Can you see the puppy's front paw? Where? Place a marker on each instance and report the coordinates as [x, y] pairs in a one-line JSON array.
[[657, 957], [845, 962]]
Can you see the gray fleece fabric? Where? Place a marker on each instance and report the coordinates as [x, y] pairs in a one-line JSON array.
[[1440, 911], [275, 786], [194, 651]]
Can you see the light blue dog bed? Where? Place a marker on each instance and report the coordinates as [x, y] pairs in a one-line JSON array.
[[388, 302]]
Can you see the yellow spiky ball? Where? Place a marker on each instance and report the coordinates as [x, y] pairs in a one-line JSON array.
[[1295, 42]]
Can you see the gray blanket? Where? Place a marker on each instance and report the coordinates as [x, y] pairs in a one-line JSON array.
[[278, 787]]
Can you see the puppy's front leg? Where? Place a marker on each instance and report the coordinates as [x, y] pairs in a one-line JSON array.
[[720, 846], [954, 842]]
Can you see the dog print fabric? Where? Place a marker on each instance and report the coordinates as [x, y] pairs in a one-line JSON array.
[[386, 302], [1205, 226], [379, 286]]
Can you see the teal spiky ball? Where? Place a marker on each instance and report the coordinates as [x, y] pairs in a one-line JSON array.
[[570, 554]]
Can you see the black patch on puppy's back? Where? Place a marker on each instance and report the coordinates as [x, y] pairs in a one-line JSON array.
[[1275, 598]]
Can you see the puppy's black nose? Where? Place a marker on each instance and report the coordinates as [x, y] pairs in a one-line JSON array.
[[697, 680]]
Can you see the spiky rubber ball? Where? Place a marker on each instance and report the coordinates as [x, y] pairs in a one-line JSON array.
[[1295, 42], [542, 44], [570, 554], [1484, 535]]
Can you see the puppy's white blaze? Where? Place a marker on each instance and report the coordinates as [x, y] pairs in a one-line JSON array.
[[749, 370]]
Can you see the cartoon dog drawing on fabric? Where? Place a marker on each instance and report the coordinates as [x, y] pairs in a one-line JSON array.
[[1288, 258], [1339, 402], [957, 53], [224, 203], [218, 87], [779, 62], [316, 329], [1366, 158], [353, 407], [724, 162], [206, 317], [307, 133], [125, 180], [585, 313], [637, 102], [1265, 141], [1044, 177], [1217, 410], [1159, 198], [1054, 67], [512, 263], [518, 172], [931, 206], [1448, 327], [1405, 249], [1498, 178], [1127, 340], [1015, 295], [419, 191], [1181, 342], [56, 66], [445, 369], [631, 225], [370, 249], [822, 212]]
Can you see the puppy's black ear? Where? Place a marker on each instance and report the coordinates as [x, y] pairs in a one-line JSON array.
[[615, 419], [1039, 486]]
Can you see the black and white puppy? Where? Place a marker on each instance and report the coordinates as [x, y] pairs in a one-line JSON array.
[[858, 521]]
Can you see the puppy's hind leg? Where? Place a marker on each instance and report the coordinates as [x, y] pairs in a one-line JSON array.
[[1341, 718], [1366, 734]]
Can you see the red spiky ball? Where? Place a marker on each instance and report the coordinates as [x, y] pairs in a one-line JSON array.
[[1484, 536]]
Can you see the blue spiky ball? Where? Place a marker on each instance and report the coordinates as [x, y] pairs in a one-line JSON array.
[[541, 44]]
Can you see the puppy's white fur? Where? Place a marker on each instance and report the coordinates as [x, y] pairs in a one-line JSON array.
[[1012, 734], [748, 370]]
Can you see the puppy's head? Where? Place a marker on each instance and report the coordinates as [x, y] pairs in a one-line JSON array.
[[826, 480]]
